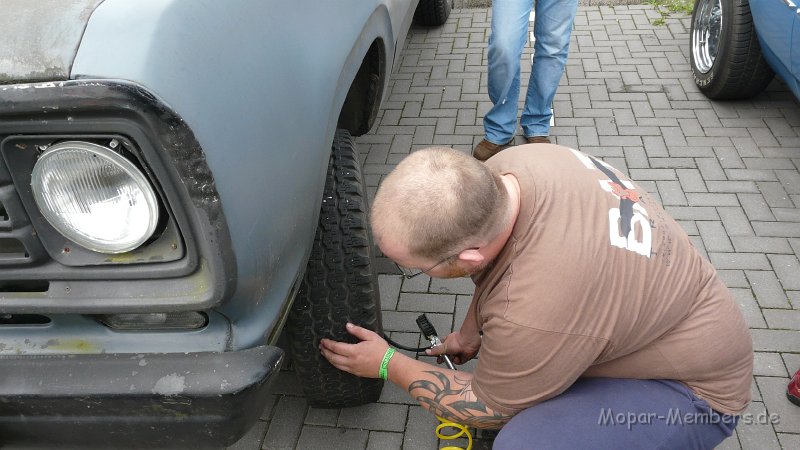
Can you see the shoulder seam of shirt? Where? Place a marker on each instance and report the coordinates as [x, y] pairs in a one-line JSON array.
[[556, 332]]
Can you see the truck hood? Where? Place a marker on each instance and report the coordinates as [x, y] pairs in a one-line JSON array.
[[41, 37]]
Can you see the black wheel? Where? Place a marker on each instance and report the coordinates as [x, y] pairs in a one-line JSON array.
[[340, 285], [725, 53], [433, 12]]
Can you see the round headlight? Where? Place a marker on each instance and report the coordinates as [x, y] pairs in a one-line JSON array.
[[94, 196]]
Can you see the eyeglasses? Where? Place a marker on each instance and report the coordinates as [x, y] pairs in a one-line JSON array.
[[409, 273]]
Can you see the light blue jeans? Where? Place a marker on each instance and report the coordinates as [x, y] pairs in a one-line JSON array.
[[552, 28]]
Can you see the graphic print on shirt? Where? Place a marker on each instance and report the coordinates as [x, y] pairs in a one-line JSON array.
[[622, 220]]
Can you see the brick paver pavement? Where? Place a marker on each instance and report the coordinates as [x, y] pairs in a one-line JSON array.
[[727, 171]]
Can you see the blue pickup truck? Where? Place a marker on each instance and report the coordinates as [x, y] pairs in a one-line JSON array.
[[179, 185]]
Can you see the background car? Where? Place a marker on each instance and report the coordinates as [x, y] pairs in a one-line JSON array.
[[178, 180], [737, 46]]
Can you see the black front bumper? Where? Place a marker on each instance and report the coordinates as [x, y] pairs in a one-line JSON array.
[[171, 400]]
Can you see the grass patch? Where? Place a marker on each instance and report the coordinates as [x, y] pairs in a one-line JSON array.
[[668, 7]]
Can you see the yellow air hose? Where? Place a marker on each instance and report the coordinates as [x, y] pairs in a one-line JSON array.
[[449, 437], [430, 334]]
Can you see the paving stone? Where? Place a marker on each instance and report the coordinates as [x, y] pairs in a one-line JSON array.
[[773, 390], [755, 207], [711, 199], [787, 215], [284, 428], [711, 169], [714, 237], [774, 194], [751, 244], [794, 298], [268, 408], [442, 303], [324, 417], [252, 439], [792, 361], [380, 440], [789, 441], [689, 226], [697, 242], [750, 310], [373, 416], [776, 340], [691, 180], [783, 319], [756, 394], [324, 438], [777, 229], [407, 321], [420, 430], [754, 261], [768, 364], [393, 394], [416, 284], [754, 435], [767, 289], [692, 213], [787, 268], [653, 174], [389, 287], [735, 221], [671, 193], [731, 443], [790, 180], [736, 187], [734, 278], [462, 305]]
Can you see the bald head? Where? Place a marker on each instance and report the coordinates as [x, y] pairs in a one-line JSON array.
[[438, 201]]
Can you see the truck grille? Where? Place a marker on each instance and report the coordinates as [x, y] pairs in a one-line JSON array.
[[18, 243]]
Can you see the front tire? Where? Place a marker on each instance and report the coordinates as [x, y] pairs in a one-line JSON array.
[[433, 12], [340, 285], [725, 53]]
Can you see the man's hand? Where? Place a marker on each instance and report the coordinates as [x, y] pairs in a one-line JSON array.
[[458, 346], [446, 393], [362, 359]]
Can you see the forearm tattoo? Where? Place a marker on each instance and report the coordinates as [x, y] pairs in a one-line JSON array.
[[455, 401]]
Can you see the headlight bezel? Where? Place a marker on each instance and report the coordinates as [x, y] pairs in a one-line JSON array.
[[189, 266], [167, 244], [114, 161]]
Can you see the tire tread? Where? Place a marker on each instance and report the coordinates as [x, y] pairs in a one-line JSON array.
[[339, 286]]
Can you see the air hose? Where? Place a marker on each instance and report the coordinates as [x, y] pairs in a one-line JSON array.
[[430, 334], [449, 437]]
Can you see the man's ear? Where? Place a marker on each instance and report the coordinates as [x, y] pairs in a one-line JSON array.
[[472, 256]]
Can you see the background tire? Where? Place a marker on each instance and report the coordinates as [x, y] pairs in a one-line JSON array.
[[432, 12], [340, 285], [724, 52]]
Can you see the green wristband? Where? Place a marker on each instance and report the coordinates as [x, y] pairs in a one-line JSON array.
[[383, 372]]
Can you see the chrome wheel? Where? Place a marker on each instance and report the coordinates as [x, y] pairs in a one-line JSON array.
[[706, 31]]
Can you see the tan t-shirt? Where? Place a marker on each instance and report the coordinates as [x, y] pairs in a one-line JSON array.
[[597, 280]]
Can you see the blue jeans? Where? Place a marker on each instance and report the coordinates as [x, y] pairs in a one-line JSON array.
[[552, 28], [614, 413]]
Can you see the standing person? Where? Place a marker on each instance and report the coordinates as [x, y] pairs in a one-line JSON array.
[[599, 325], [552, 29]]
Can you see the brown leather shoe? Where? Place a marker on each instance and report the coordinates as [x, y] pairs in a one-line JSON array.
[[485, 149], [537, 139]]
